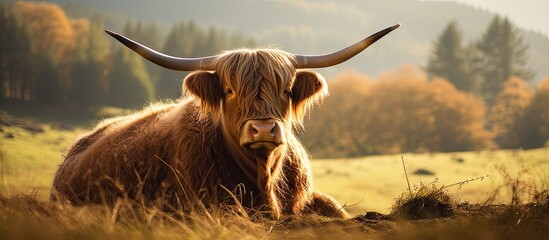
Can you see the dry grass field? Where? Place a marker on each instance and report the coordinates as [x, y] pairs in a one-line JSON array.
[[507, 197], [373, 183]]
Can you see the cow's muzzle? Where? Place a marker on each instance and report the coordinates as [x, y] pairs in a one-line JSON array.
[[262, 133]]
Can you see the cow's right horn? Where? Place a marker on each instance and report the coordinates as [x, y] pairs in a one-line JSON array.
[[331, 59], [174, 63]]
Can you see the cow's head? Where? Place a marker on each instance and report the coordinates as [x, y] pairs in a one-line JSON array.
[[258, 96]]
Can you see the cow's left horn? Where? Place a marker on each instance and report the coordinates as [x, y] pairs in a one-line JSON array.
[[174, 63], [331, 59]]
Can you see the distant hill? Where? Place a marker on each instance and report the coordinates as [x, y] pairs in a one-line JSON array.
[[320, 26]]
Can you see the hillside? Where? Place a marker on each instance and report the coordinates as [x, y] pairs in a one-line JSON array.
[[320, 26]]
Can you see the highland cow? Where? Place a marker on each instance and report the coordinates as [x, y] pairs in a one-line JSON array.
[[230, 141]]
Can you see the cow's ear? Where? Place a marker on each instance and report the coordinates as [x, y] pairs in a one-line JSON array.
[[207, 88], [309, 88]]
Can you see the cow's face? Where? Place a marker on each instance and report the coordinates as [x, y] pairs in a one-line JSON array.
[[257, 96]]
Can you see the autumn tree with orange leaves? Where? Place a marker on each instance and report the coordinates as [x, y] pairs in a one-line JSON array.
[[401, 111], [506, 117], [48, 56], [331, 130], [536, 118], [50, 29]]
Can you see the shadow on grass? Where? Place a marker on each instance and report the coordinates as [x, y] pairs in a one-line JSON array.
[[26, 114]]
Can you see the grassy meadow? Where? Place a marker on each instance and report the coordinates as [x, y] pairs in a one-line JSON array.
[[30, 155], [373, 183]]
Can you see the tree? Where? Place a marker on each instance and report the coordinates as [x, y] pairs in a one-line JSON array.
[[400, 117], [474, 63], [53, 44], [506, 118], [399, 112], [89, 70], [182, 40], [15, 54], [331, 134], [458, 119], [504, 55], [48, 90], [536, 119], [129, 82], [448, 59], [50, 29], [149, 35]]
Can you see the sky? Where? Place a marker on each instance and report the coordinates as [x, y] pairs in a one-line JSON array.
[[527, 14]]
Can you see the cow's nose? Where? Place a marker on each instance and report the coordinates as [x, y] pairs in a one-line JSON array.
[[263, 129], [262, 133]]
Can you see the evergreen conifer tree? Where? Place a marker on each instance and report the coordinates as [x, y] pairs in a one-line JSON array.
[[448, 59], [504, 55]]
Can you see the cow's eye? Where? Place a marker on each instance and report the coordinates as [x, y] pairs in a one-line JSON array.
[[229, 91]]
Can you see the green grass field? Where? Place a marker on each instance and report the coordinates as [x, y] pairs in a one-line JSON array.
[[363, 184], [29, 160], [373, 183]]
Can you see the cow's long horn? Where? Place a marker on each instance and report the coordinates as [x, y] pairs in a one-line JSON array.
[[320, 61], [174, 63]]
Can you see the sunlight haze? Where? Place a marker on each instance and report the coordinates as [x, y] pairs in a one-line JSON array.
[[528, 14]]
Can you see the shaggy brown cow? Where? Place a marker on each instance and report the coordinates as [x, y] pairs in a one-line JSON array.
[[230, 142]]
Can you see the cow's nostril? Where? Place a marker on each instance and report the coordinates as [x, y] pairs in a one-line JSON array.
[[273, 131], [263, 129]]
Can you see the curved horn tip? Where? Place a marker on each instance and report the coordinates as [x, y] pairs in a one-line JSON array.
[[110, 32], [395, 26], [391, 28]]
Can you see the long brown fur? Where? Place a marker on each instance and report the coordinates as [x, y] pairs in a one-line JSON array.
[[186, 155]]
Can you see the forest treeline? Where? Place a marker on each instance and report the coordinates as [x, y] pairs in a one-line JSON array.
[[482, 65], [405, 111], [50, 60], [468, 96]]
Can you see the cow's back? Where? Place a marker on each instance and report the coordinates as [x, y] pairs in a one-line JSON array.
[[121, 157]]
